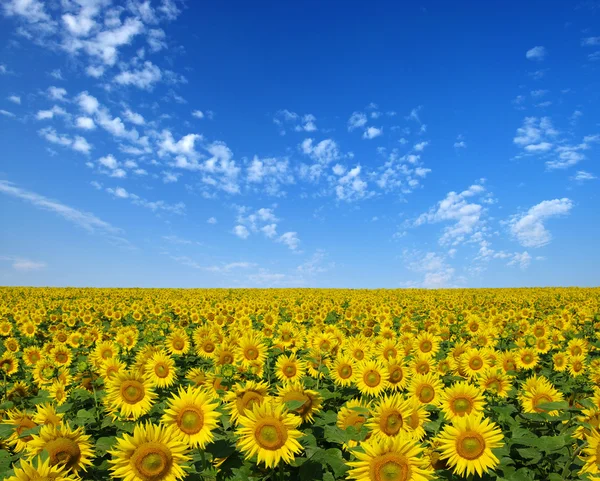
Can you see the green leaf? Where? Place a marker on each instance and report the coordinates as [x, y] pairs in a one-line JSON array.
[[294, 404], [530, 453], [6, 430], [221, 448], [554, 406], [104, 444], [326, 417], [335, 435], [5, 461], [30, 431]]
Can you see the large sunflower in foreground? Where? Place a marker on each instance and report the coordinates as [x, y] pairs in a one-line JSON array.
[[153, 453], [467, 445], [192, 413], [66, 447], [244, 396], [269, 432], [591, 454], [426, 388], [536, 393], [393, 459], [41, 471], [21, 422], [289, 368], [129, 394], [160, 370]]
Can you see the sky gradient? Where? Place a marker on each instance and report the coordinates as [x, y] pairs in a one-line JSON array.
[[318, 144]]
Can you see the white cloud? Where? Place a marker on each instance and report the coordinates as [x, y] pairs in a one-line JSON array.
[[56, 74], [529, 228], [590, 42], [49, 114], [32, 11], [538, 93], [241, 231], [303, 123], [83, 219], [420, 147], [95, 71], [455, 207], [154, 206], [314, 265], [272, 173], [144, 78], [568, 155], [86, 123], [15, 99], [290, 239], [536, 53], [437, 273], [109, 162], [57, 93], [23, 265], [523, 260], [582, 175], [534, 131], [6, 113], [270, 230], [324, 152], [88, 103], [170, 177], [351, 187], [156, 39], [212, 220], [77, 143], [356, 121], [372, 132], [133, 117], [198, 114]]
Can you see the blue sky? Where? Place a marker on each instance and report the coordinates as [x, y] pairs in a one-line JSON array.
[[327, 144]]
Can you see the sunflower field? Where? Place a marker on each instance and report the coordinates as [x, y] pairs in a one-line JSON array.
[[299, 384]]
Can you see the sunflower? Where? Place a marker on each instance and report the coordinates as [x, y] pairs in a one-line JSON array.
[[311, 400], [206, 346], [251, 350], [474, 362], [417, 418], [316, 362], [9, 364], [41, 471], [197, 376], [495, 381], [591, 454], [46, 414], [31, 356], [67, 447], [538, 393], [112, 367], [104, 351], [508, 361], [392, 459], [371, 378], [398, 375], [192, 413], [224, 354], [559, 362], [177, 342], [388, 417], [588, 420], [153, 453], [527, 358], [358, 348], [426, 344], [577, 347], [467, 445], [269, 432], [461, 399], [388, 350], [343, 370], [160, 370], [289, 368], [421, 365], [19, 390], [58, 392], [129, 394], [244, 396], [21, 421], [577, 365], [426, 388], [354, 413]]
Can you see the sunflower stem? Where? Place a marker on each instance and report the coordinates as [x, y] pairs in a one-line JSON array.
[[203, 457], [281, 475], [4, 375]]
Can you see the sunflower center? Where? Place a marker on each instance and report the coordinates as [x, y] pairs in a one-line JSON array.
[[359, 354], [354, 419], [161, 370], [576, 351], [461, 406], [345, 371], [251, 353], [527, 358], [372, 378], [178, 344], [476, 363], [290, 370], [25, 424], [470, 445], [426, 346], [390, 467], [132, 391], [577, 366], [152, 461], [271, 434], [61, 357], [226, 358], [540, 399], [209, 347], [509, 365], [423, 367], [396, 375], [426, 394], [391, 423], [106, 354], [63, 451], [190, 420]]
